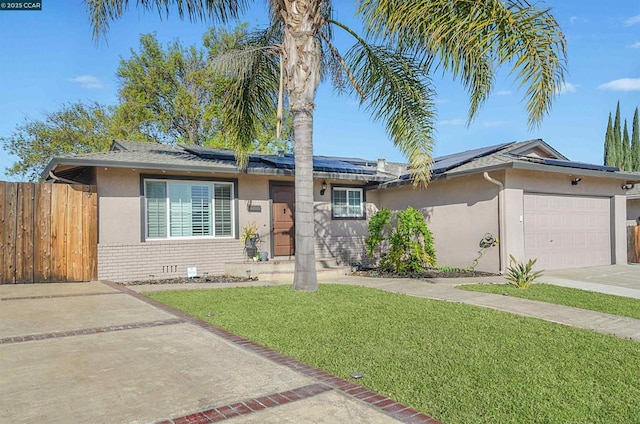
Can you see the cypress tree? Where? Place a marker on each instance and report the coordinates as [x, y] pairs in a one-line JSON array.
[[635, 143], [626, 149], [608, 144], [618, 151]]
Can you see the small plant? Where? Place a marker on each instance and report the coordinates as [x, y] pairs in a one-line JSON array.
[[249, 231], [446, 268], [521, 275]]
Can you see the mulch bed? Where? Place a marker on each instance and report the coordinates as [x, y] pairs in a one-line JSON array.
[[427, 273], [211, 279], [368, 272]]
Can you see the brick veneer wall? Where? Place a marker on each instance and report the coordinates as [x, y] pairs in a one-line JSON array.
[[165, 259], [347, 249]]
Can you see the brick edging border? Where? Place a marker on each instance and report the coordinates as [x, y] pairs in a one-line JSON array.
[[375, 400]]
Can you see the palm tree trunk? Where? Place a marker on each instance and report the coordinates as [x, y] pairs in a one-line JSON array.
[[302, 62]]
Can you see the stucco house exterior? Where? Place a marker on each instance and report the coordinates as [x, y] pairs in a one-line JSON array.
[[163, 209]]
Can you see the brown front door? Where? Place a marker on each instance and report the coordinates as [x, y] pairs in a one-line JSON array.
[[283, 213]]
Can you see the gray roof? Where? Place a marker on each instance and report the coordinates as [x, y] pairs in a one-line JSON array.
[[514, 155], [131, 154]]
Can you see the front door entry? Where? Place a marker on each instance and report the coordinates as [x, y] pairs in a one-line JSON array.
[[283, 213]]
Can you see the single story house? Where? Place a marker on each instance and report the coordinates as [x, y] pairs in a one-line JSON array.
[[162, 209]]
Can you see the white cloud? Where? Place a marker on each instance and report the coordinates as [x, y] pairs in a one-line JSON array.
[[456, 121], [490, 124], [623, 84], [632, 20], [503, 92], [574, 19], [567, 87], [440, 101], [635, 45], [87, 81]]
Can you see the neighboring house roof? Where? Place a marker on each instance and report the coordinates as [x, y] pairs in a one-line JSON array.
[[535, 155]]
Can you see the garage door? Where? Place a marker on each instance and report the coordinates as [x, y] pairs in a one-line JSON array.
[[567, 231]]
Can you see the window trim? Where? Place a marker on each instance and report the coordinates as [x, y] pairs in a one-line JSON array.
[[233, 183], [347, 188]]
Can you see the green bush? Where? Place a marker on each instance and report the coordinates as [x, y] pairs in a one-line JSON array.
[[521, 275], [410, 241], [379, 226]]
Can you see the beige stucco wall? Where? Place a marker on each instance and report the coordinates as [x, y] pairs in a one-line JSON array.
[[459, 212], [124, 255], [340, 238]]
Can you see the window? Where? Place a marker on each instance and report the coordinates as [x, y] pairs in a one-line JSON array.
[[188, 209], [348, 202]]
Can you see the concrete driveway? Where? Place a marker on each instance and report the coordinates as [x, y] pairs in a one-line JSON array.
[[98, 353], [621, 280]]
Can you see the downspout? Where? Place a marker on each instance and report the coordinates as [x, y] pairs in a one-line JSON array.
[[501, 219]]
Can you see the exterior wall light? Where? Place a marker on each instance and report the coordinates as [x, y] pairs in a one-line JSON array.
[[323, 188], [575, 181]]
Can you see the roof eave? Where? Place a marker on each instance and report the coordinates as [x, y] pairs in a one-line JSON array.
[[54, 163]]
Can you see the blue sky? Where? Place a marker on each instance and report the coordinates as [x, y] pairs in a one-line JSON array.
[[48, 58]]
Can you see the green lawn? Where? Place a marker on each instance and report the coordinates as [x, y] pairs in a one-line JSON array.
[[459, 363], [617, 305]]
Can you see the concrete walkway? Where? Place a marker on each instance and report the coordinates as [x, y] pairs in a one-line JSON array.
[[444, 289], [98, 353], [621, 280]]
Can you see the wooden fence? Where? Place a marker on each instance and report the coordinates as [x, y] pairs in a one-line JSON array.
[[633, 244], [48, 233]]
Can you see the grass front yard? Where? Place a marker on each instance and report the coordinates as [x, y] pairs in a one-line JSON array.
[[458, 363], [610, 304]]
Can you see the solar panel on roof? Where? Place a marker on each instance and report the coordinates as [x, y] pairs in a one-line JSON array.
[[209, 153], [445, 163], [579, 165], [287, 161]]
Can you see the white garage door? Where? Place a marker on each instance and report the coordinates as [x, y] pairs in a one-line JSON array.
[[567, 231]]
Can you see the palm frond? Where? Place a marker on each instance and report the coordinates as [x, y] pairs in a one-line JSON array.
[[469, 36], [102, 12], [254, 71], [394, 88]]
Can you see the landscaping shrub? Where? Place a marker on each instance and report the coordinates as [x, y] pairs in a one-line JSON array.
[[521, 275], [410, 241]]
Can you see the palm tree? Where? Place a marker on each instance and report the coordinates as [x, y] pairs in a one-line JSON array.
[[387, 69]]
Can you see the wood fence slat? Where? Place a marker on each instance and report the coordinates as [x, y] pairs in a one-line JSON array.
[[74, 233], [11, 202], [58, 233], [89, 238], [24, 245], [20, 246], [93, 233], [2, 229], [42, 234]]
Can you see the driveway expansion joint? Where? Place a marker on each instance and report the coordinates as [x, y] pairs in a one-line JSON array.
[[86, 331]]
